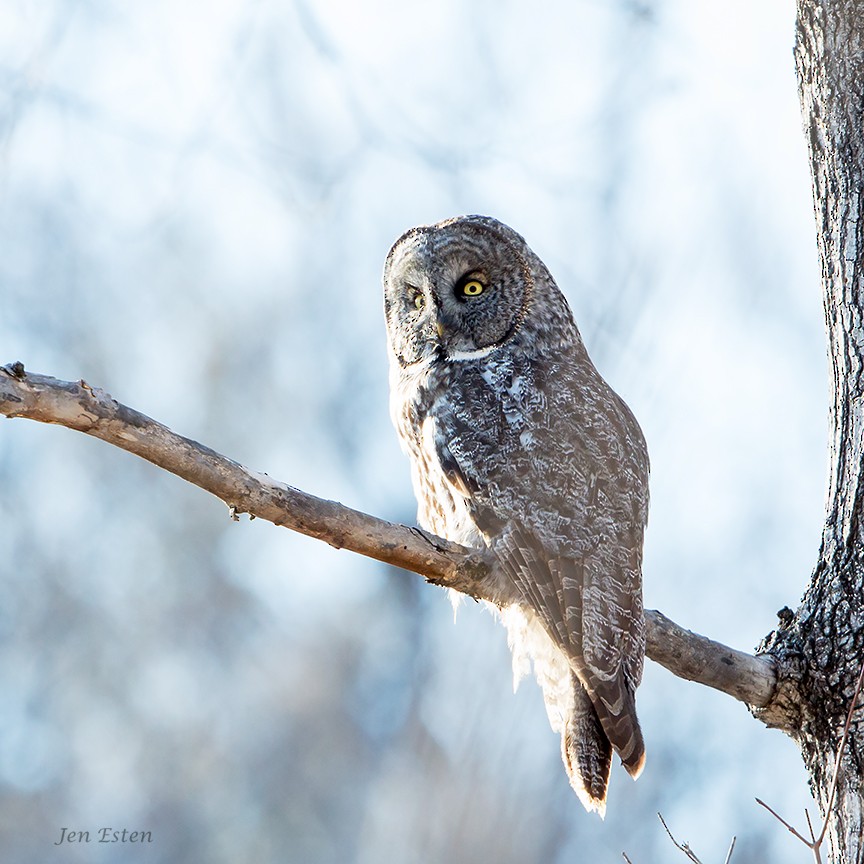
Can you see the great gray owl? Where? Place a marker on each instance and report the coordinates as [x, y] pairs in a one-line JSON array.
[[517, 444]]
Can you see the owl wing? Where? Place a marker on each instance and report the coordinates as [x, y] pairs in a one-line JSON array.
[[591, 628], [613, 617], [567, 526]]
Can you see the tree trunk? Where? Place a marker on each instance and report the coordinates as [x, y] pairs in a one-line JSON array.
[[819, 649]]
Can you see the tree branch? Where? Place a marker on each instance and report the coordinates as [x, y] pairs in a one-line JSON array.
[[748, 678]]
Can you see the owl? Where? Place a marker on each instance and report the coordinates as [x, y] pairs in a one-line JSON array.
[[518, 445]]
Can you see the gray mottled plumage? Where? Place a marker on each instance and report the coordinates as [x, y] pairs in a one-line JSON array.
[[517, 443]]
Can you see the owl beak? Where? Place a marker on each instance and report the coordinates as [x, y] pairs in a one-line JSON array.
[[439, 327]]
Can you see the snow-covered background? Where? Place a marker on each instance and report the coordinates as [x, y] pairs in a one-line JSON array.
[[196, 199]]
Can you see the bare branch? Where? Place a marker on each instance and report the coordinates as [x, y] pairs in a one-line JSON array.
[[809, 825], [92, 411], [783, 822], [688, 655], [684, 847], [813, 846]]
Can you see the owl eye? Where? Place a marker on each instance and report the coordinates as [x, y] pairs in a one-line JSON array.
[[419, 301], [472, 288]]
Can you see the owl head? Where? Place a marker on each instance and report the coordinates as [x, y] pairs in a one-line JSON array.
[[464, 288]]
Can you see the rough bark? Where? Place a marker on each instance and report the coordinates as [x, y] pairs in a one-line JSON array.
[[818, 650], [93, 411]]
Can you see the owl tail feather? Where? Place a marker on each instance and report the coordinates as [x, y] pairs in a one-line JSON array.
[[587, 753], [615, 706]]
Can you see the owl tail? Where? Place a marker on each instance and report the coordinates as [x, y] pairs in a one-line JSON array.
[[586, 752], [586, 746]]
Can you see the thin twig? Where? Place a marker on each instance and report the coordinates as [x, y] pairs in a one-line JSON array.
[[840, 754], [783, 822], [731, 850], [684, 847], [817, 856], [809, 825]]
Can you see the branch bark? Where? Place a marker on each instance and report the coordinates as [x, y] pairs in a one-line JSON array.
[[87, 409]]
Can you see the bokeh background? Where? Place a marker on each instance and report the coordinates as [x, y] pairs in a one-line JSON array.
[[196, 199]]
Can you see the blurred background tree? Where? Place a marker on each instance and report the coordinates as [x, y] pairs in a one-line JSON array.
[[195, 201]]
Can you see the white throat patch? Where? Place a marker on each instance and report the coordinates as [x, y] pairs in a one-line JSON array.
[[477, 354]]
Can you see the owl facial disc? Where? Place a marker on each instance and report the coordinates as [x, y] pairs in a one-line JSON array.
[[455, 296]]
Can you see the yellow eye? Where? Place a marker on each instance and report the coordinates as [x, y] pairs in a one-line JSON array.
[[419, 301], [472, 288]]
